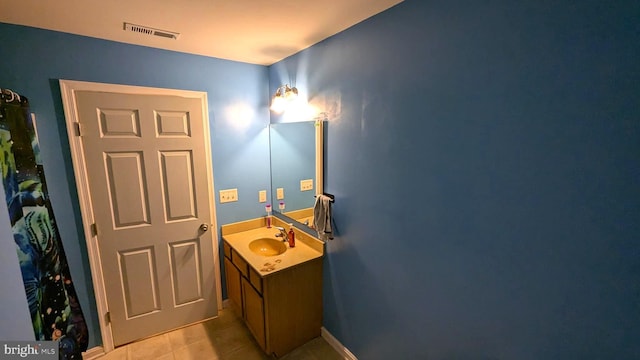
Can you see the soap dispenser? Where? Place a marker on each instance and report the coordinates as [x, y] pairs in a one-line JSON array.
[[292, 236], [268, 209]]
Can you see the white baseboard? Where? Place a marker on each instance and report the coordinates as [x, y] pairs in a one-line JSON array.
[[337, 345], [93, 353]]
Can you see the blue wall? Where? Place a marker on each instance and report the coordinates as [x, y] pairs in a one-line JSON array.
[[32, 61], [484, 156]]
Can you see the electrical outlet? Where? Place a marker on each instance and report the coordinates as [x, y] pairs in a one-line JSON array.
[[306, 185], [262, 196], [279, 193], [228, 195]]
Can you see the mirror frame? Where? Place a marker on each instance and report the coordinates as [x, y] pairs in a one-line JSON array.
[[319, 156], [319, 175]]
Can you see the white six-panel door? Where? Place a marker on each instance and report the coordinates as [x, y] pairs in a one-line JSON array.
[[146, 165]]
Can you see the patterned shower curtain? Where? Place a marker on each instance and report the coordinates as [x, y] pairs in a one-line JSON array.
[[53, 303]]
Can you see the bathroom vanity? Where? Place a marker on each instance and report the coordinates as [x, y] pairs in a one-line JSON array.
[[277, 292]]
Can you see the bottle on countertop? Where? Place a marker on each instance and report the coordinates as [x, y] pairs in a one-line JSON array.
[[292, 236], [268, 208]]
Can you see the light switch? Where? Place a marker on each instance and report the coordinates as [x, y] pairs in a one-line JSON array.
[[279, 193], [228, 195], [306, 185], [262, 196]]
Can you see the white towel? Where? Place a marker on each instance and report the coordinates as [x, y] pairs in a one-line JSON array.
[[322, 217]]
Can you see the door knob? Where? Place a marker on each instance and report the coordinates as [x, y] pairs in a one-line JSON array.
[[204, 227]]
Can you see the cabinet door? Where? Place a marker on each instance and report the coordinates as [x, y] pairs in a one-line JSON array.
[[254, 312], [232, 275]]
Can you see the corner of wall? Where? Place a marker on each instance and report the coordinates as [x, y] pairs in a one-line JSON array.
[[337, 345]]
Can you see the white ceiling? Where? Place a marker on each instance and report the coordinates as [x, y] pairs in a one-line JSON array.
[[254, 31]]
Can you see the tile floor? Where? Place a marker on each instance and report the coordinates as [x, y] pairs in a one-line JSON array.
[[223, 338]]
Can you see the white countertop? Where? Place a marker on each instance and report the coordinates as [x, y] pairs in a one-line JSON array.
[[267, 265]]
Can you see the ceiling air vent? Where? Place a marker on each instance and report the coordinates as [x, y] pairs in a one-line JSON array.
[[151, 31]]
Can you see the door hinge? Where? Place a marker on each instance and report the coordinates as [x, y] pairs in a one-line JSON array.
[[78, 129], [107, 317], [94, 229]]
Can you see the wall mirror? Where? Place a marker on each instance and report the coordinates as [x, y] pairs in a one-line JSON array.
[[296, 169]]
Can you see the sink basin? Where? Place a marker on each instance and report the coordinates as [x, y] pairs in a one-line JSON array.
[[267, 247]]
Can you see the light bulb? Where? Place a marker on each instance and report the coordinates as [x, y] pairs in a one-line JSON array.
[[290, 93], [278, 104]]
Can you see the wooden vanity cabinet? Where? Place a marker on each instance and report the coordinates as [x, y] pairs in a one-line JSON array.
[[233, 276], [254, 312], [234, 289], [283, 310]]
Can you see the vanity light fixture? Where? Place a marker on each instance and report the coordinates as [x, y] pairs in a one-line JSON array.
[[285, 94]]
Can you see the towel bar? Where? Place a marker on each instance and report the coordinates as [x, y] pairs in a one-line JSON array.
[[333, 198]]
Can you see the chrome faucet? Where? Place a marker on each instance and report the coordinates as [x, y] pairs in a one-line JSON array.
[[283, 233]]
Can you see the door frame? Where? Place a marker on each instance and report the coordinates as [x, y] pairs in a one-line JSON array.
[[68, 89]]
